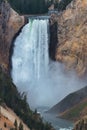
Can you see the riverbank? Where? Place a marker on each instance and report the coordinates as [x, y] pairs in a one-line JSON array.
[[57, 123]]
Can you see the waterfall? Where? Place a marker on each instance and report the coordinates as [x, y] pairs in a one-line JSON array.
[[42, 79], [30, 56], [31, 51]]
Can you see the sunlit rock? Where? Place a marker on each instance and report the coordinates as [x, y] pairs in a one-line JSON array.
[[72, 37], [10, 23]]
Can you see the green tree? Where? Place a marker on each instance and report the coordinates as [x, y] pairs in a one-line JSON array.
[[16, 124], [29, 6], [18, 103], [62, 4], [20, 126]]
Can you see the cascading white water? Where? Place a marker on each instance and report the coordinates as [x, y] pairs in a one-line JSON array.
[[31, 51], [42, 79], [32, 72], [30, 57]]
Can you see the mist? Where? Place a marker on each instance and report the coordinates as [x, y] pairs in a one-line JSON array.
[[56, 85], [50, 88], [44, 81]]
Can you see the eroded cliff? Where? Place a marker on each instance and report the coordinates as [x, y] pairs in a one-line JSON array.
[[72, 37], [81, 124], [10, 23]]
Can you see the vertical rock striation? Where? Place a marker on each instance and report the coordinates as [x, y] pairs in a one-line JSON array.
[[72, 37], [10, 23]]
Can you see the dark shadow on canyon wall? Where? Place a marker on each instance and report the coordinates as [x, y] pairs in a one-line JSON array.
[[12, 45], [12, 49], [53, 40]]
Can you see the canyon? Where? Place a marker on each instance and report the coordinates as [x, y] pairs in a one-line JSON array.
[[68, 31], [68, 28]]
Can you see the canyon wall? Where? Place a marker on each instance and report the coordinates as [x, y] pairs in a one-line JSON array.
[[11, 116], [81, 124], [72, 37], [68, 35], [10, 24]]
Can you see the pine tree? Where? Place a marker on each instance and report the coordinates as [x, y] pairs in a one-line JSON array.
[[16, 124], [20, 126]]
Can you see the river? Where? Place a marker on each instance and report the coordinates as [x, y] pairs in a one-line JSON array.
[[57, 123]]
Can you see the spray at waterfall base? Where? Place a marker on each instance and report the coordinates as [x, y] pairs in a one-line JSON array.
[[42, 79]]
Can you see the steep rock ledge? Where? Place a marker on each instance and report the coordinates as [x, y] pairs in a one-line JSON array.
[[81, 124], [72, 37], [8, 117], [10, 24]]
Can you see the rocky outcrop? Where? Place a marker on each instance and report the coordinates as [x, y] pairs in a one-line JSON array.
[[81, 124], [9, 118], [5, 123], [72, 37], [10, 23]]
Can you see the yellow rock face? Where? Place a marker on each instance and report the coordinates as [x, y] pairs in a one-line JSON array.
[[72, 37], [10, 24], [15, 20]]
